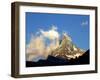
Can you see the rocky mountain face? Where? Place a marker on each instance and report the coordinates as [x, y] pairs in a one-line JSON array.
[[56, 61], [67, 50]]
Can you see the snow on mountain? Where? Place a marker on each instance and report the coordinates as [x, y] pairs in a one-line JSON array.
[[67, 49]]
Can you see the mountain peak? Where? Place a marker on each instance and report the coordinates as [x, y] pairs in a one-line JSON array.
[[67, 49], [67, 37]]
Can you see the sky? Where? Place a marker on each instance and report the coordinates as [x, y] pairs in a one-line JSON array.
[[76, 26]]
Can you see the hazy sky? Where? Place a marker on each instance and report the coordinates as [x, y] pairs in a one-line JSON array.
[[77, 26]]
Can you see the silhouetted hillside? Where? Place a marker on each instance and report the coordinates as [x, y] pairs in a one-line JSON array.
[[84, 59], [51, 61], [56, 61]]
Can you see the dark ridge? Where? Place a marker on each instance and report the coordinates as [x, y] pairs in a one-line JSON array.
[[55, 61], [84, 59]]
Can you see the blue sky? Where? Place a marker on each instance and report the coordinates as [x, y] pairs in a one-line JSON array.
[[77, 26]]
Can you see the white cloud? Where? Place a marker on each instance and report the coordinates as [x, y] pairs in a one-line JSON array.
[[51, 34], [37, 46], [84, 23], [54, 27]]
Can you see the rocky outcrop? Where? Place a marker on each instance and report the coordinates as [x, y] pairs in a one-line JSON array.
[[67, 49]]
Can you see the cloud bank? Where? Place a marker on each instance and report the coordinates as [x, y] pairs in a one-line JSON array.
[[37, 48], [50, 34]]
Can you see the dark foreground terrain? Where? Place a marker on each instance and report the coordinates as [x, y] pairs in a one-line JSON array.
[[55, 61]]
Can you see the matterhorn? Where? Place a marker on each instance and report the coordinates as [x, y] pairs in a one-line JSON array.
[[67, 49]]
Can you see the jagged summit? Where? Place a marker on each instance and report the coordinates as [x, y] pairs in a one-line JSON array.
[[67, 49]]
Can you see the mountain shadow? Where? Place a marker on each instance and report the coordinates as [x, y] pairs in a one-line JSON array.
[[57, 61]]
